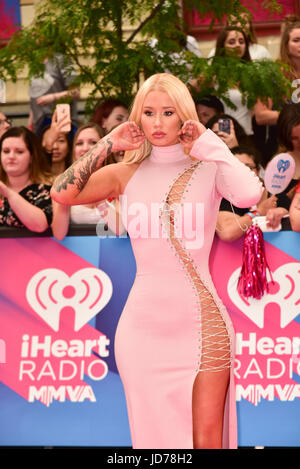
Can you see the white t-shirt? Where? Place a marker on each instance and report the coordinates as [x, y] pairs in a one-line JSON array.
[[85, 215], [242, 114]]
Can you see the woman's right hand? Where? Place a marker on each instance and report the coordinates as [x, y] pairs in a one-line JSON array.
[[126, 136], [229, 139]]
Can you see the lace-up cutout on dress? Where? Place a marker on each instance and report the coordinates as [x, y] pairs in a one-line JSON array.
[[214, 339]]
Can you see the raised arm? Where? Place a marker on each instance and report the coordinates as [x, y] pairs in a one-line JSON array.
[[85, 181], [264, 114], [234, 180]]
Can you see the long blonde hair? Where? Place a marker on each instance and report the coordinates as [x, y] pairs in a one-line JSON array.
[[290, 23], [179, 94]]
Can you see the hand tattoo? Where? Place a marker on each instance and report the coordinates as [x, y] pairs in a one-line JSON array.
[[79, 173]]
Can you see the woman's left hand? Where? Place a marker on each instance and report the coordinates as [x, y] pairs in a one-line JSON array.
[[189, 133]]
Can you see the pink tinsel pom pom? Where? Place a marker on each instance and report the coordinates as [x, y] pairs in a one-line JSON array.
[[253, 277]]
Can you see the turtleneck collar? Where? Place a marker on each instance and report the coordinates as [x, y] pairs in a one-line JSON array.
[[168, 154]]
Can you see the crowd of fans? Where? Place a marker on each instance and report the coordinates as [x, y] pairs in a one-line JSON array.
[[32, 156]]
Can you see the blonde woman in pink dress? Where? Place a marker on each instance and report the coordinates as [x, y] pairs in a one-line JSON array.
[[174, 342]]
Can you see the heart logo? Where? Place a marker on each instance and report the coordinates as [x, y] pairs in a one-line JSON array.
[[87, 291], [275, 181], [283, 165], [285, 292]]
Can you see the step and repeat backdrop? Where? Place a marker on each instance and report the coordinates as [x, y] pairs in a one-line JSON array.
[[60, 303]]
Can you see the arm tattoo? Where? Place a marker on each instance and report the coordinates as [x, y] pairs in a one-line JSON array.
[[78, 174]]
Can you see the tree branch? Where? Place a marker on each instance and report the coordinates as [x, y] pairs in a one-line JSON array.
[[85, 70], [146, 20]]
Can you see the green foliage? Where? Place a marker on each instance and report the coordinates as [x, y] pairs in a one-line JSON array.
[[108, 43], [256, 79]]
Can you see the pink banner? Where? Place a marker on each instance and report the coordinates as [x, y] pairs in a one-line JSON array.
[[268, 334], [48, 296]]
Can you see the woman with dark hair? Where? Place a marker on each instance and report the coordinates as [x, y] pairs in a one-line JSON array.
[[25, 181], [288, 135], [58, 144], [237, 134], [256, 51], [288, 131], [233, 42], [207, 107], [110, 113], [288, 122]]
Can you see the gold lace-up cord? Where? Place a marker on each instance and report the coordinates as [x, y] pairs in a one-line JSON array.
[[214, 340]]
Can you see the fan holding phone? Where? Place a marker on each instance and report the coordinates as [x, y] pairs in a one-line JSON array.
[[57, 139], [229, 130]]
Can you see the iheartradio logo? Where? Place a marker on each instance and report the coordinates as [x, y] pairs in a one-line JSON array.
[[285, 293], [87, 292]]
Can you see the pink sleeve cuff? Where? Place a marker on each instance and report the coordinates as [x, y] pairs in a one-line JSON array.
[[234, 180]]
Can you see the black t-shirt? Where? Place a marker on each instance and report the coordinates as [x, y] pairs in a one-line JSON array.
[[226, 206], [282, 199]]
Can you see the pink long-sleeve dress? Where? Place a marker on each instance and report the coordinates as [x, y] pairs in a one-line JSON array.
[[174, 325]]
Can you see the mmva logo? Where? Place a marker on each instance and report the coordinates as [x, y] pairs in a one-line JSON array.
[[87, 291], [284, 293]]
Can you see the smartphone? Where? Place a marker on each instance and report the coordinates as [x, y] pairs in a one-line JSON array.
[[224, 125], [64, 110]]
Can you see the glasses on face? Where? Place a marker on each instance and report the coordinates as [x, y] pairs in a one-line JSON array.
[[5, 121]]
